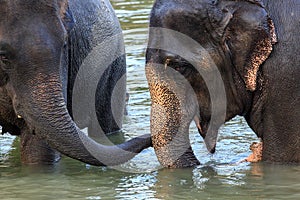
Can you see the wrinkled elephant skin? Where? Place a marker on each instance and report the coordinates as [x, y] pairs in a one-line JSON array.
[[60, 59], [250, 47]]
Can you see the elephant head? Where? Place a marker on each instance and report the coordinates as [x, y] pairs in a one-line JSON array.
[[33, 43], [202, 63]]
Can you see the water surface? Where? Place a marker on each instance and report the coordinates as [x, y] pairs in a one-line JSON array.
[[220, 176]]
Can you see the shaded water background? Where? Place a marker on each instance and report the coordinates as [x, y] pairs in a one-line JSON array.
[[220, 176]]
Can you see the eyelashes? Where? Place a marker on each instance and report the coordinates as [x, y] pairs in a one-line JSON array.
[[3, 58], [4, 61]]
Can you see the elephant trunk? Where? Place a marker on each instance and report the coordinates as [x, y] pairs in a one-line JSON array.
[[171, 139], [50, 120], [170, 122]]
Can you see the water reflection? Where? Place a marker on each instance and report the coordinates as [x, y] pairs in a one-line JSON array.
[[221, 176]]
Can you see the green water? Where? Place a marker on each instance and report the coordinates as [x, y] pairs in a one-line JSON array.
[[220, 176]]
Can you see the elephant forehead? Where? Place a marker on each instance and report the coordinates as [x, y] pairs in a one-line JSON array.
[[191, 19], [185, 13]]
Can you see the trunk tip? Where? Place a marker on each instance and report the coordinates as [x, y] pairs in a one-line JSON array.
[[212, 150], [211, 147]]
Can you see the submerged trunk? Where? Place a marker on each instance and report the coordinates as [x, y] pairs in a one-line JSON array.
[[170, 118], [51, 121], [171, 139]]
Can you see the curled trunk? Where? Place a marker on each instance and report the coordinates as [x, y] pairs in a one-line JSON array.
[[51, 121]]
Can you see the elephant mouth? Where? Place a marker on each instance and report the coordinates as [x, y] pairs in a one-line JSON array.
[[203, 128]]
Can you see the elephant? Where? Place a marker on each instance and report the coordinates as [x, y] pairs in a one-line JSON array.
[[208, 61], [58, 60]]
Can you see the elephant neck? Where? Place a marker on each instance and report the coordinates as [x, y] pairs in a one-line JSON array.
[[239, 99]]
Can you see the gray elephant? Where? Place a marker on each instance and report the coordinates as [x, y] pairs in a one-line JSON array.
[[210, 60], [44, 46]]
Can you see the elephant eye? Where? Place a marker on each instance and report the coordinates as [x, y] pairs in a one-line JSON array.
[[3, 57], [180, 69], [7, 54], [179, 65], [4, 61]]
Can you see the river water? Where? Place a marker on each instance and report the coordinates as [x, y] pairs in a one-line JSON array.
[[220, 176]]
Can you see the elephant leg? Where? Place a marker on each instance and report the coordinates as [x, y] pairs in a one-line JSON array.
[[35, 150]]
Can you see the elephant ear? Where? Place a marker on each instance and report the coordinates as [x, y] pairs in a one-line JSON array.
[[66, 15], [249, 36]]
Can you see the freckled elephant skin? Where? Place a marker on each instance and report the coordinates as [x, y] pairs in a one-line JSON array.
[[251, 45], [63, 60]]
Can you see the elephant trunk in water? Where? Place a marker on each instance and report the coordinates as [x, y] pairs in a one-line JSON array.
[[33, 51], [169, 121], [50, 120]]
